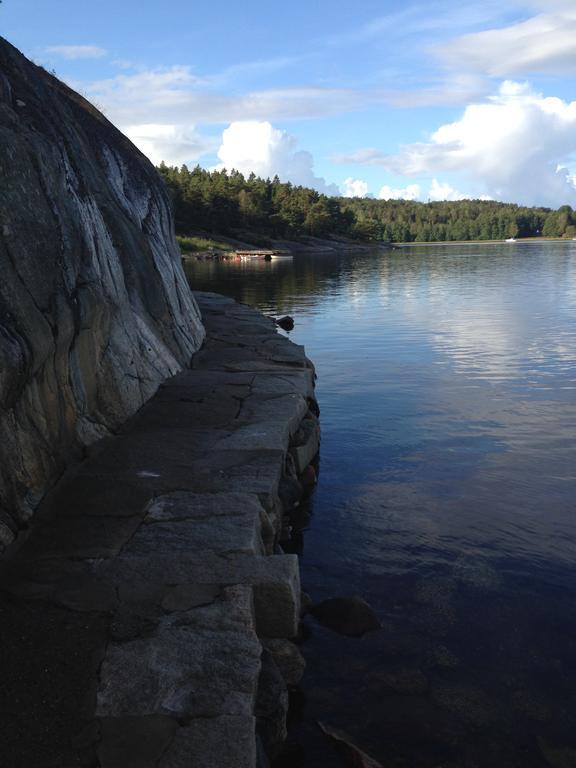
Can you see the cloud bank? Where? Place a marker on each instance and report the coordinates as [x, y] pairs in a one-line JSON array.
[[541, 44], [172, 144], [159, 109], [410, 192], [517, 147], [177, 96], [438, 191], [354, 188], [250, 146]]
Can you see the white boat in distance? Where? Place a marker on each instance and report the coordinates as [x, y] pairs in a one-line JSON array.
[[510, 240]]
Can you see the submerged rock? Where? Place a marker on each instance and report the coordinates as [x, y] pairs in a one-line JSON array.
[[406, 682], [351, 616], [95, 310], [354, 756]]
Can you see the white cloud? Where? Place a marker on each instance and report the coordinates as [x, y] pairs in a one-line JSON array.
[[242, 69], [410, 192], [443, 191], [177, 96], [366, 156], [253, 146], [416, 19], [458, 88], [510, 148], [354, 188], [438, 191], [543, 43], [73, 52], [171, 143], [157, 109]]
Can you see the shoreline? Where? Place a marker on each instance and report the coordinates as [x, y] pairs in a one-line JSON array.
[[321, 246], [518, 241]]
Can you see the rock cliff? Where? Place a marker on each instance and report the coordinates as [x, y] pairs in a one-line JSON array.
[[94, 308]]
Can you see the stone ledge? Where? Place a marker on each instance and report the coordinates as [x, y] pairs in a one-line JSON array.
[[159, 549], [275, 581]]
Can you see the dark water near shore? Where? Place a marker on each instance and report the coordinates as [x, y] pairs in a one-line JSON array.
[[446, 496]]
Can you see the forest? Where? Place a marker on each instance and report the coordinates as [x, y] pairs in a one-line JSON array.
[[254, 209]]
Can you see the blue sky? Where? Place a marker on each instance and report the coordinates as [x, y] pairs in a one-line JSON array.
[[425, 100]]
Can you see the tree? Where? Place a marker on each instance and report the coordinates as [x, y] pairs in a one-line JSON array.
[[224, 201]]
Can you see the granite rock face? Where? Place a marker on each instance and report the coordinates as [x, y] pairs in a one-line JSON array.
[[94, 307]]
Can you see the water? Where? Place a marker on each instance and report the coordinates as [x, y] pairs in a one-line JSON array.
[[446, 496]]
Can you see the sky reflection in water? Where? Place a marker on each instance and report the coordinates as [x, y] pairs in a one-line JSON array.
[[447, 494]]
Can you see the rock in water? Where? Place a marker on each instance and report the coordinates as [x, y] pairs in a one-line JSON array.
[[95, 310], [351, 616], [354, 756], [286, 323]]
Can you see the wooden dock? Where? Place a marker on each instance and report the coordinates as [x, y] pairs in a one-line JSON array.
[[260, 253], [266, 255]]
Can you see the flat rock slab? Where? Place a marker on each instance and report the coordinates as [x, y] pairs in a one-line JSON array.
[[286, 410], [203, 662], [136, 601], [222, 742], [192, 522], [134, 742]]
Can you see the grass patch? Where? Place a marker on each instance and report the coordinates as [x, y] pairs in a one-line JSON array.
[[194, 244]]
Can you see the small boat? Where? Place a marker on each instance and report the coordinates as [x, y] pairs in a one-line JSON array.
[[510, 240]]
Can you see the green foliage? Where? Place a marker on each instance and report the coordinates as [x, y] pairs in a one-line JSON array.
[[255, 209], [228, 203], [560, 223], [410, 221], [192, 244]]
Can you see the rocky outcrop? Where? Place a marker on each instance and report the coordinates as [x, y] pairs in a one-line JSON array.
[[94, 308]]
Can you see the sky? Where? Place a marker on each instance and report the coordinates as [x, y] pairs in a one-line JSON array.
[[423, 100]]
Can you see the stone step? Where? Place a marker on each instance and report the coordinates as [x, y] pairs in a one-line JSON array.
[[275, 581]]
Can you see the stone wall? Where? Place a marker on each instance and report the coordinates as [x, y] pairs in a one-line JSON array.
[[94, 307]]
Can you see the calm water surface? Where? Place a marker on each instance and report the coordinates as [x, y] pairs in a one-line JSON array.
[[446, 496]]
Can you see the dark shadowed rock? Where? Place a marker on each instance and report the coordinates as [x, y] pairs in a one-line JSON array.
[[305, 602], [306, 443], [290, 492], [95, 310], [271, 706], [218, 742], [286, 323], [351, 616], [288, 659], [134, 742], [261, 756], [308, 479]]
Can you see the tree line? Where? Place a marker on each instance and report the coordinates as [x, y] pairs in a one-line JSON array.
[[228, 203]]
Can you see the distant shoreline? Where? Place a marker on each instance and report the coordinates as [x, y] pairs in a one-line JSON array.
[[518, 241]]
